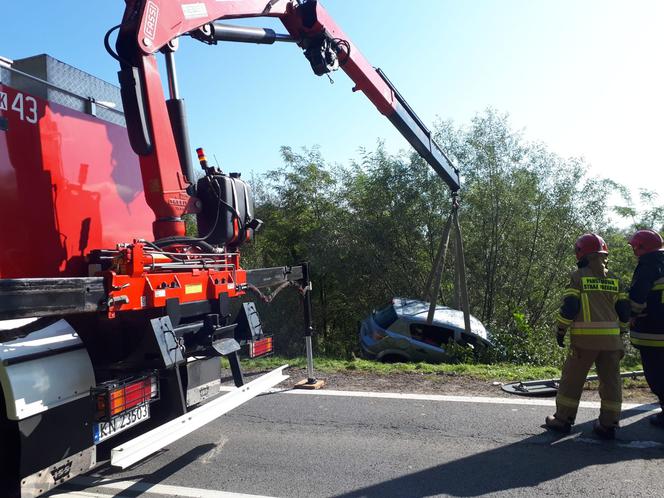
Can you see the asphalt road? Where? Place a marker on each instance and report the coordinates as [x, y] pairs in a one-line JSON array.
[[311, 445]]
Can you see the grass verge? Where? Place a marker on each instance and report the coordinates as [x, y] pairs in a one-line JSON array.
[[498, 372], [503, 372]]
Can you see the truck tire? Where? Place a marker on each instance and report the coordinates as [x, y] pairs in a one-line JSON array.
[[9, 453]]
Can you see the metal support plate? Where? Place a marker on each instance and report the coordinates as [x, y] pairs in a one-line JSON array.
[[40, 482], [549, 387], [267, 277], [542, 388]]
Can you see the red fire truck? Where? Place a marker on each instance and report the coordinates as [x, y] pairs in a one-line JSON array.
[[112, 317]]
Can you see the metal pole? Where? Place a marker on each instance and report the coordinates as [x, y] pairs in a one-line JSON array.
[[178, 116], [171, 74], [308, 324]]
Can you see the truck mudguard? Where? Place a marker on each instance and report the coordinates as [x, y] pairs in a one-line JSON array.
[[48, 368]]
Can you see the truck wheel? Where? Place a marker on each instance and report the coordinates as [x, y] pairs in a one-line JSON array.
[[9, 453]]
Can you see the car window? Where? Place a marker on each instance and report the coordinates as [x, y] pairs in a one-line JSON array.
[[385, 317], [431, 334]]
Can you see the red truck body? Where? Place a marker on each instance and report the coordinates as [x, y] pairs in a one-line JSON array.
[[69, 181], [101, 329]]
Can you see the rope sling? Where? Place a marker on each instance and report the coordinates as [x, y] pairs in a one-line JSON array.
[[434, 279]]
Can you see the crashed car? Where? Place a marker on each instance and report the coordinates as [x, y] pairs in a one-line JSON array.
[[399, 332]]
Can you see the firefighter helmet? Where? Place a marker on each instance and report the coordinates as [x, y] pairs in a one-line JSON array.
[[590, 243], [646, 241]]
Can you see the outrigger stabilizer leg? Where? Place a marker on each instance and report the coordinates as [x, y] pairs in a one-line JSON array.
[[311, 382]]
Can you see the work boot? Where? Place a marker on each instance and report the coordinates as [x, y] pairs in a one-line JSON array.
[[657, 420], [602, 432], [557, 425]]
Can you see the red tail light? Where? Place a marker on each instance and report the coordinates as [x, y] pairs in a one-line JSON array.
[[260, 347], [114, 398]]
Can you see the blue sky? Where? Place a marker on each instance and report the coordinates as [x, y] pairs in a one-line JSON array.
[[585, 77]]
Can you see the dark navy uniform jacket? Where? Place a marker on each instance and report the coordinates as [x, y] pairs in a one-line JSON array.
[[647, 301]]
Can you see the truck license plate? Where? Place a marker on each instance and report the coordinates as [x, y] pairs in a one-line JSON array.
[[121, 422]]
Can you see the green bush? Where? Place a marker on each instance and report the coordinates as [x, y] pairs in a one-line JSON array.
[[460, 353], [522, 344]]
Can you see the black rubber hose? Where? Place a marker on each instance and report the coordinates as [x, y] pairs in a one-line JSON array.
[[161, 243]]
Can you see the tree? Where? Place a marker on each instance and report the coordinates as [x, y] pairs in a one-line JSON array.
[[371, 231], [522, 209], [300, 206]]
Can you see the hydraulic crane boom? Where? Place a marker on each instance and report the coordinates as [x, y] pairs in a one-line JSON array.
[[158, 132]]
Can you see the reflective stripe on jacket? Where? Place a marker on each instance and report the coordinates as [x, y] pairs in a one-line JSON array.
[[647, 301], [591, 308]]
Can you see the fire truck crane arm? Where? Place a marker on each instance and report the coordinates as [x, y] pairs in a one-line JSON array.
[[158, 132]]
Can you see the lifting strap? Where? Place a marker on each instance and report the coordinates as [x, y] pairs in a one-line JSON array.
[[433, 280]]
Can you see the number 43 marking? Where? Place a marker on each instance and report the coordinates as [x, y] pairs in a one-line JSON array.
[[26, 107]]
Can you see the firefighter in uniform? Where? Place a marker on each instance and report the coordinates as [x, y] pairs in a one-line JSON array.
[[647, 301], [595, 312]]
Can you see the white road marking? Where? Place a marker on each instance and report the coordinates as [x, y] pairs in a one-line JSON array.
[[455, 399], [638, 445], [74, 494], [117, 487]]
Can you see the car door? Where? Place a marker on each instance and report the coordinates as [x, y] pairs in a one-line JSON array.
[[428, 342]]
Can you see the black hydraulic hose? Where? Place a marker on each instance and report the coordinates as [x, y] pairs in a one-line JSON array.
[[159, 249], [161, 243], [177, 240], [109, 49]]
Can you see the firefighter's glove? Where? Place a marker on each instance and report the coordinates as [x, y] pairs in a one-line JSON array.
[[560, 337]]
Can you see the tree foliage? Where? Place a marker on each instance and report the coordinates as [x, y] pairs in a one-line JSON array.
[[371, 229]]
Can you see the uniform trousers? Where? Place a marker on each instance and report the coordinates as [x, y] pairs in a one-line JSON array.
[[573, 378], [653, 368]]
